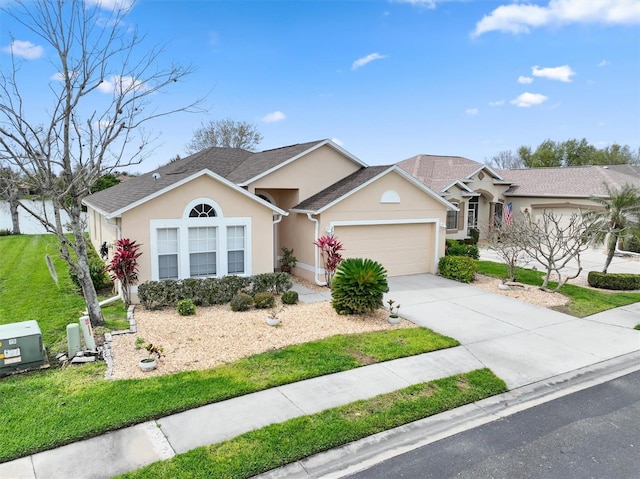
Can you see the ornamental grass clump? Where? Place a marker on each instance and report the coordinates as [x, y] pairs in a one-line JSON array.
[[358, 286]]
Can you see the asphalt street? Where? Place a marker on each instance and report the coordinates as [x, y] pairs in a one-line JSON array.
[[594, 433]]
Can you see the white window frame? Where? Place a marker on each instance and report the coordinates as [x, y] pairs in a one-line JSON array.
[[176, 253], [183, 224], [243, 249]]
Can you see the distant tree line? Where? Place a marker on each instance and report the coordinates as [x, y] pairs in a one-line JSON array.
[[571, 152]]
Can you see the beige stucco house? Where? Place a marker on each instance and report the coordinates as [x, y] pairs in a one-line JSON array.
[[230, 211], [481, 193]]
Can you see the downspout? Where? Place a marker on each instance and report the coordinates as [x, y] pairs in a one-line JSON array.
[[275, 251], [118, 236], [316, 260]]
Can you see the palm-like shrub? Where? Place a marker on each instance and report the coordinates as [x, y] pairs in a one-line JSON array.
[[358, 286]]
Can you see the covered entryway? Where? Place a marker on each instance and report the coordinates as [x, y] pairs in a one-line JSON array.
[[402, 248]]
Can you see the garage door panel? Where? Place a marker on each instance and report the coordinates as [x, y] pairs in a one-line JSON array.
[[400, 248]]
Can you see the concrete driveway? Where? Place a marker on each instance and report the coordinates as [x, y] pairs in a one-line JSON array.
[[520, 342]]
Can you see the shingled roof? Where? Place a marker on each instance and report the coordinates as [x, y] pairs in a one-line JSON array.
[[339, 189], [352, 183], [440, 172], [573, 182], [236, 165]]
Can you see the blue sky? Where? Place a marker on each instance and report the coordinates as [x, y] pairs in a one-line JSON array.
[[391, 79]]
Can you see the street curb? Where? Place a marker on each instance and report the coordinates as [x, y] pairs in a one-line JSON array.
[[360, 455]]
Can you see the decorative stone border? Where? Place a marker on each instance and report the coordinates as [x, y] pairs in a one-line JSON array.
[[108, 337]]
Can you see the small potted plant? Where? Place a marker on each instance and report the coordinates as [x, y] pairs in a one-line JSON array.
[[287, 261], [272, 317], [393, 312], [151, 361]]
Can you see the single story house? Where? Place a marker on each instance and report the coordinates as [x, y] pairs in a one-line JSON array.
[[230, 211], [481, 193]]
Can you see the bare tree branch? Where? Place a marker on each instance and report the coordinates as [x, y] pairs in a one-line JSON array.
[[104, 91]]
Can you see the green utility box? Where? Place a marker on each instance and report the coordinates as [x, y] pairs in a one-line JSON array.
[[21, 347]]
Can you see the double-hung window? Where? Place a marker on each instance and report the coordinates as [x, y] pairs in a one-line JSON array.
[[452, 218], [167, 253], [235, 249], [202, 251]]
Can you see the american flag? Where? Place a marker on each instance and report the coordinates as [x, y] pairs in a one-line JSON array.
[[507, 215]]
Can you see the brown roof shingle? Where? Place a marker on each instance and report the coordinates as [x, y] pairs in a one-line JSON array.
[[576, 181], [340, 188], [234, 164]]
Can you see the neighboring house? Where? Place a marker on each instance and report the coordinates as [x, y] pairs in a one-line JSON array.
[[481, 193], [230, 211]]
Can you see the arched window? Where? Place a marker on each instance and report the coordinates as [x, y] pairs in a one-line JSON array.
[[202, 210]]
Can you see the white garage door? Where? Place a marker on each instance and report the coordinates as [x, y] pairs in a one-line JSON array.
[[400, 248]]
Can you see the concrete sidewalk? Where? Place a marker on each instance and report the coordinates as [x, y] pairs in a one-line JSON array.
[[521, 343]]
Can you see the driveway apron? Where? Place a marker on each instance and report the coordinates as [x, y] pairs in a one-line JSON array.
[[520, 342]]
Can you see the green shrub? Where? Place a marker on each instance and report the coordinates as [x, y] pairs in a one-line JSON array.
[[230, 286], [460, 268], [475, 235], [186, 307], [631, 243], [97, 270], [264, 300], [455, 248], [614, 281], [5, 232], [289, 297], [275, 283], [358, 286], [241, 302]]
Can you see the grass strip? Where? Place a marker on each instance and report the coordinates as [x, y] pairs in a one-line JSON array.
[[584, 301], [50, 408], [276, 445]]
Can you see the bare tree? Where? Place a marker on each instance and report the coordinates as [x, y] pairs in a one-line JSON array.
[[509, 239], [226, 133], [505, 160], [102, 90], [554, 242], [9, 191]]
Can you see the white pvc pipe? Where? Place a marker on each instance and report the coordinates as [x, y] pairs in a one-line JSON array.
[[316, 259]]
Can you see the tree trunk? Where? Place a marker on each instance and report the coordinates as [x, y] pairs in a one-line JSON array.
[[611, 250], [81, 264], [15, 219]]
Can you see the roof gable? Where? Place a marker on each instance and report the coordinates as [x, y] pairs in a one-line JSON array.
[[235, 165], [442, 172], [114, 213], [353, 183]]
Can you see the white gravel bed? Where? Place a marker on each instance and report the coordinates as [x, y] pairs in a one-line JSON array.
[[217, 335]]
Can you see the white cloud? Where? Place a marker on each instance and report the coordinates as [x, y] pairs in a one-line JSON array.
[[528, 99], [112, 4], [563, 73], [337, 141], [604, 63], [124, 85], [525, 80], [24, 49], [496, 103], [274, 117], [519, 18], [472, 111], [360, 62], [420, 3]]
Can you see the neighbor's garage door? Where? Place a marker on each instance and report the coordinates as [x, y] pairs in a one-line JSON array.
[[400, 248]]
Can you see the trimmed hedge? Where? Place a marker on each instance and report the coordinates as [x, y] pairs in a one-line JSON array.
[[289, 297], [264, 300], [614, 281], [186, 307], [460, 268], [460, 248], [208, 291]]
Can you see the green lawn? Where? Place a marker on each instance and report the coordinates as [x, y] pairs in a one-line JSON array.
[[280, 444], [584, 301], [57, 406]]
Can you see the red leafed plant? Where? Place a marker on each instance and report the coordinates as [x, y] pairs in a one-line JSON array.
[[329, 250], [124, 265]]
